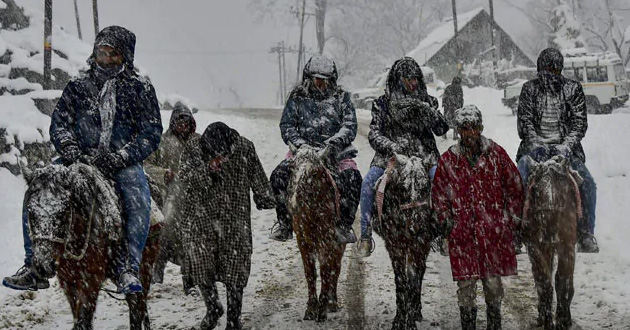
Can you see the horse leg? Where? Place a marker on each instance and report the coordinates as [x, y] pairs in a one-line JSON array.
[[417, 257], [333, 303], [308, 259], [399, 264], [564, 284], [541, 257], [86, 306]]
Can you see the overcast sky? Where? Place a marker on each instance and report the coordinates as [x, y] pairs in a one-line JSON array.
[[200, 49]]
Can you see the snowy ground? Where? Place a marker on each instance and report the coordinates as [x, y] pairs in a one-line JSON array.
[[276, 295]]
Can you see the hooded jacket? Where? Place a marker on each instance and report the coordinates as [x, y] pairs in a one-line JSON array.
[[531, 105], [406, 130], [317, 119], [137, 124], [167, 156]]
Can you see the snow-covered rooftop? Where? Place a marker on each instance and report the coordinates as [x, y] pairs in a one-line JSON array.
[[430, 45]]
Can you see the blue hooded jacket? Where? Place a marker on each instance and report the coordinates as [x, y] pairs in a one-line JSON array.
[[137, 125]]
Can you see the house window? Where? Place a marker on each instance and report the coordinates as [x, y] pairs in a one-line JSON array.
[[579, 74]]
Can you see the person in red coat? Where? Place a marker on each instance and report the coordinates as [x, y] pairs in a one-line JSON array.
[[478, 198]]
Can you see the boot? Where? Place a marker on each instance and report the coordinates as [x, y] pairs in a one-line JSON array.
[[26, 279], [493, 314], [366, 247], [468, 317], [235, 304], [213, 307], [281, 232], [345, 234], [128, 282], [587, 243]]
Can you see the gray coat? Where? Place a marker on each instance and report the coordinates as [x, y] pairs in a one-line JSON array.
[[216, 213]]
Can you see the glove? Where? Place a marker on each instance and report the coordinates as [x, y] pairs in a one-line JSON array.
[[70, 154], [561, 150], [108, 163], [539, 154]]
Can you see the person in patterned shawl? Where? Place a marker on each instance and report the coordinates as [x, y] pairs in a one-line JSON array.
[[216, 173]]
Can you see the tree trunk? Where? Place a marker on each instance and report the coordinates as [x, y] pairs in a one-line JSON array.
[[320, 24]]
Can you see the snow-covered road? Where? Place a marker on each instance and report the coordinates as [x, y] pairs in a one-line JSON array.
[[275, 297]]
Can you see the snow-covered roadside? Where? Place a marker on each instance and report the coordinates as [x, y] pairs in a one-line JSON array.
[[276, 294]]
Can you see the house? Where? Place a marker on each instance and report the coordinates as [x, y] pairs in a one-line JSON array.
[[439, 50]]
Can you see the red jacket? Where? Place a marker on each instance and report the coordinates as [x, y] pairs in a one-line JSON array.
[[481, 199]]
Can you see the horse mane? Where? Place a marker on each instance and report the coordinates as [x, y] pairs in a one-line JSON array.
[[544, 181], [415, 178]]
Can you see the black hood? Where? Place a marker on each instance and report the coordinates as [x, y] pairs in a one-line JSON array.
[[119, 38], [406, 67], [182, 112], [217, 140], [550, 58]]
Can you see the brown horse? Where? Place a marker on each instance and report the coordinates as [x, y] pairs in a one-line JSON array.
[[76, 228], [404, 220], [314, 207], [552, 209]]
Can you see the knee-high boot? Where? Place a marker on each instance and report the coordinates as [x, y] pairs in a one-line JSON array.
[[493, 314], [235, 304], [214, 309], [468, 317]]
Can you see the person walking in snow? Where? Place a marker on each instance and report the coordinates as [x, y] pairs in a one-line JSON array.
[[161, 167], [319, 113], [108, 117], [404, 120], [216, 173], [478, 198], [551, 120], [452, 99]]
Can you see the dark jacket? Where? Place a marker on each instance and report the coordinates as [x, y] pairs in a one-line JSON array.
[[317, 119], [573, 122], [452, 99], [408, 131], [216, 212], [137, 124]]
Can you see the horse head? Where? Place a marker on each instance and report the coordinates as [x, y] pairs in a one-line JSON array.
[[47, 202], [551, 182], [308, 171], [409, 177]]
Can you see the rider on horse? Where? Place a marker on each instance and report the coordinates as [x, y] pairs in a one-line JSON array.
[[478, 198], [552, 121], [108, 117], [319, 113], [403, 121]]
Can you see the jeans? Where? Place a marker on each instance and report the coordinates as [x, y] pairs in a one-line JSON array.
[[133, 189], [588, 191], [367, 196]]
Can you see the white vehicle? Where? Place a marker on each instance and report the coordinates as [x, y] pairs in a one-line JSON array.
[[363, 98], [602, 76]]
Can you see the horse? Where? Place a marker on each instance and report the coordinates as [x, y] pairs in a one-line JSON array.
[[76, 227], [314, 207], [405, 222], [552, 209]]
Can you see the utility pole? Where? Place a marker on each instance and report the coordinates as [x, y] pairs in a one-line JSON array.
[[299, 63], [494, 50], [76, 14], [95, 15], [47, 42], [282, 69]]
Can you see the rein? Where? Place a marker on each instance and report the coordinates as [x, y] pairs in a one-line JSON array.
[[80, 256], [576, 191]]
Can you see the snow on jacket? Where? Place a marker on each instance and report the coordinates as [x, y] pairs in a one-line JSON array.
[[167, 155], [137, 125], [572, 118], [482, 200], [317, 119], [216, 213]]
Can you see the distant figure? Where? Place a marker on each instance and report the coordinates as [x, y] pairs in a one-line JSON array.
[[452, 99], [108, 117], [478, 198], [404, 120], [161, 168], [318, 113], [551, 120], [217, 172]]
